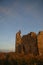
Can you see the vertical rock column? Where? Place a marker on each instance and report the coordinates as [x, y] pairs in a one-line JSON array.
[[40, 42], [34, 44], [18, 42]]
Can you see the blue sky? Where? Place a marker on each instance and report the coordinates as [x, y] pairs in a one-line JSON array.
[[15, 15]]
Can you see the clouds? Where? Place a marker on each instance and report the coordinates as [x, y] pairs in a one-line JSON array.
[[5, 7], [22, 8], [22, 11], [4, 10]]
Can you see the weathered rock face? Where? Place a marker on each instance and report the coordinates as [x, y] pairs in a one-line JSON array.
[[40, 42], [18, 41], [19, 46], [27, 44]]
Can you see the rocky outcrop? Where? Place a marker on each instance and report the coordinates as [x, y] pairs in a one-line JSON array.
[[40, 42], [27, 44], [30, 45], [18, 42]]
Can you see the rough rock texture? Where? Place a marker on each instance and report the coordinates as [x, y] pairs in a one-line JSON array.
[[40, 42], [27, 44], [18, 42]]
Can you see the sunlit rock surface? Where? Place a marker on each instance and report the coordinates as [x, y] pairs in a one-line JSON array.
[[40, 42]]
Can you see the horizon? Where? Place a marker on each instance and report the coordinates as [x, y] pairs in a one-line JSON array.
[[15, 15]]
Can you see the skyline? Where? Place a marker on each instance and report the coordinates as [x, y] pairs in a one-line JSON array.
[[15, 15]]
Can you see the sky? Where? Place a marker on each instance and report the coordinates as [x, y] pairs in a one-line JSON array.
[[15, 15]]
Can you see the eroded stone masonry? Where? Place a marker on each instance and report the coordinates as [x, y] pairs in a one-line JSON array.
[[31, 43]]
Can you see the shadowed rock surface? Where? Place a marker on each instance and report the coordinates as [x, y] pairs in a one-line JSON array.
[[30, 45]]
